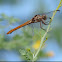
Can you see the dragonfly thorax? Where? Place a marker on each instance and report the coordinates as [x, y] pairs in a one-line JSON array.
[[36, 18]]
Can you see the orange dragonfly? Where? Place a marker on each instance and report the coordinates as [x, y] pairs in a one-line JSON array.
[[37, 18]]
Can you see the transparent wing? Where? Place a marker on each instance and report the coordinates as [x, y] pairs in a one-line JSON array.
[[48, 13], [37, 25]]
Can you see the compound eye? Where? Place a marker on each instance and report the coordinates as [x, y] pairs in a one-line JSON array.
[[44, 17]]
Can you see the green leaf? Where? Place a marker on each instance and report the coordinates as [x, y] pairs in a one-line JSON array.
[[1, 19], [22, 51], [13, 20], [4, 16], [26, 53]]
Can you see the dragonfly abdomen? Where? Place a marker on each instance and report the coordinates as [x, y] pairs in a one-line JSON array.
[[26, 23]]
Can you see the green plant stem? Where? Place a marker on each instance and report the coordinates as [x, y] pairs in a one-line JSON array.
[[42, 39]]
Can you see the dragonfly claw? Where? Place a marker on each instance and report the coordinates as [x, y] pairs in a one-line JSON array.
[[49, 17]]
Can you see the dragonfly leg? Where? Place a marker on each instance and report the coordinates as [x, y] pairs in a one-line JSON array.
[[42, 27], [32, 30], [48, 21], [44, 22]]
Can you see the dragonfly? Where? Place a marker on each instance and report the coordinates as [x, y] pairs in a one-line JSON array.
[[37, 18]]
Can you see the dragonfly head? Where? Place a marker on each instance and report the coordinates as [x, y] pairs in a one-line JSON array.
[[44, 17]]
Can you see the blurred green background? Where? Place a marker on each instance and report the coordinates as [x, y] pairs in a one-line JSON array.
[[13, 46]]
